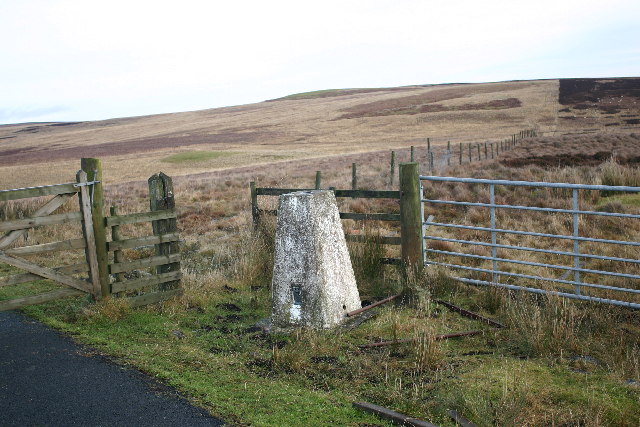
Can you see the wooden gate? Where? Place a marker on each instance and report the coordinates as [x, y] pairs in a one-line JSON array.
[[45, 216], [103, 260]]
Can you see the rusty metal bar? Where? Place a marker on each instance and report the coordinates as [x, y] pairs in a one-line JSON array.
[[470, 314], [462, 421], [393, 416], [437, 338], [369, 307]]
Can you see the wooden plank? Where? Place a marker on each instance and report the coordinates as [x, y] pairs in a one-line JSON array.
[[45, 272], [370, 216], [140, 217], [360, 238], [156, 279], [363, 194], [368, 194], [143, 263], [45, 210], [20, 224], [118, 256], [16, 279], [393, 416], [153, 297], [142, 241], [45, 190], [66, 245], [278, 191], [87, 231], [16, 303]]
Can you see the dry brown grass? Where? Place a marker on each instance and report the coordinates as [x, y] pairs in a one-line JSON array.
[[268, 133]]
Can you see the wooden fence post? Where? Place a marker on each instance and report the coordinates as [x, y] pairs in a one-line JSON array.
[[318, 179], [448, 153], [461, 153], [161, 198], [478, 147], [87, 230], [93, 168], [393, 167], [410, 219], [428, 145], [354, 176], [486, 153], [469, 152], [492, 150], [412, 153], [115, 236], [255, 214]]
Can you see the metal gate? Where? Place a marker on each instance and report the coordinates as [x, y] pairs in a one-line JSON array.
[[488, 236]]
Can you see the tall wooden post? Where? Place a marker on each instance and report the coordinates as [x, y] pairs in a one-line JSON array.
[[393, 167], [469, 152], [255, 213], [87, 230], [428, 146], [354, 176], [318, 179], [478, 147], [410, 219], [412, 153], [448, 153], [486, 154], [161, 198], [93, 168], [460, 153]]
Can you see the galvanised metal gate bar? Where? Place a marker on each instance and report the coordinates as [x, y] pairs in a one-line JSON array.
[[577, 268]]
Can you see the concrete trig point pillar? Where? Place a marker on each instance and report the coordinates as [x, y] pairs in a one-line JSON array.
[[313, 282]]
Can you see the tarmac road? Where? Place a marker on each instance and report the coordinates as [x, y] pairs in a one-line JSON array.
[[48, 380]]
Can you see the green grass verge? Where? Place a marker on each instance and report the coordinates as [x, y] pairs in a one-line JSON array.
[[210, 352], [196, 156]]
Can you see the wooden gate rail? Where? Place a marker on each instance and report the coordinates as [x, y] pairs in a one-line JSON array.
[[163, 284], [42, 217], [408, 207]]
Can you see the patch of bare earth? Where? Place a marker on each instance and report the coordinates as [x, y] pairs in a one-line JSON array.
[[413, 104], [599, 103], [39, 154], [575, 150]]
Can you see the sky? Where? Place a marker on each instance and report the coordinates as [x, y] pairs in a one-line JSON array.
[[76, 60]]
